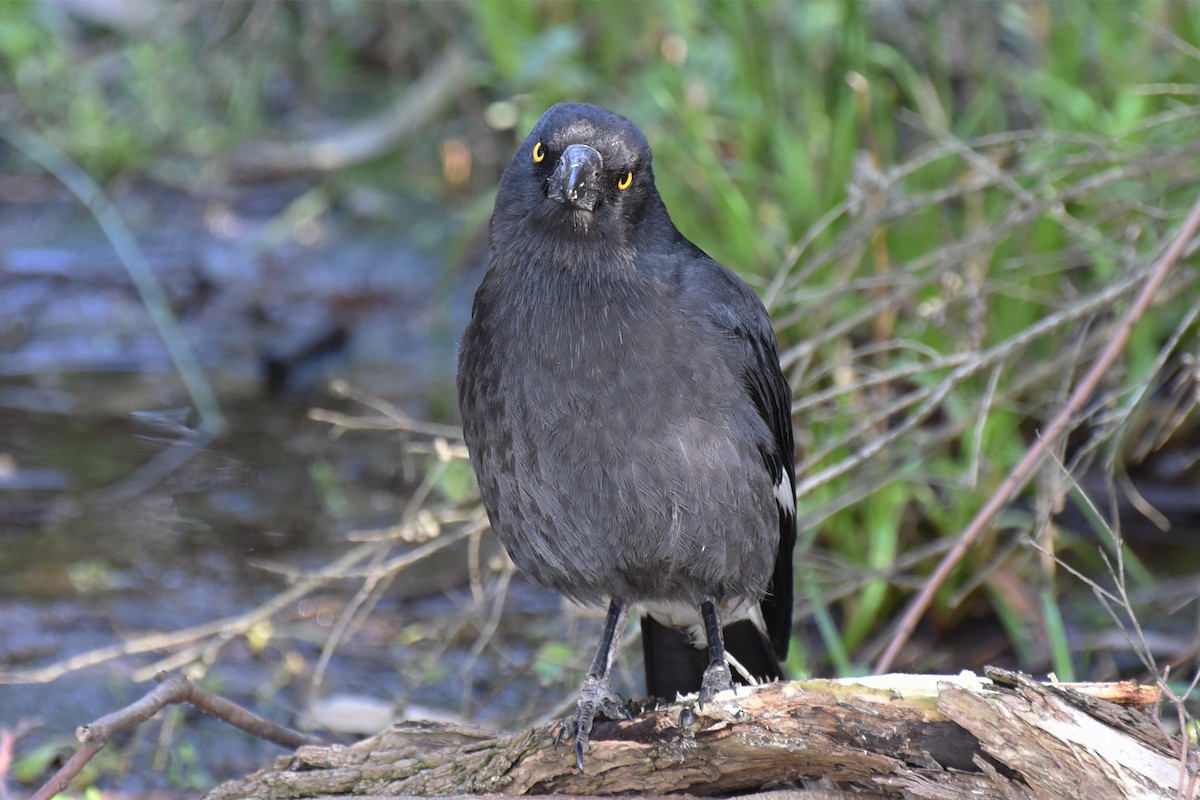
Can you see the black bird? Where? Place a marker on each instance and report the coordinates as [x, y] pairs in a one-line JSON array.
[[627, 417]]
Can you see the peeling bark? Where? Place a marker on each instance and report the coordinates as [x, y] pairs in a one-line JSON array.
[[929, 737]]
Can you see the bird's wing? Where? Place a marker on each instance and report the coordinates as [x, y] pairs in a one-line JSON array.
[[740, 316]]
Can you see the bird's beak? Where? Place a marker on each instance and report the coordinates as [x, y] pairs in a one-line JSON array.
[[576, 179]]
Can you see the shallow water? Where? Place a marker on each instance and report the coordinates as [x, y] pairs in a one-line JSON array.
[[100, 546]]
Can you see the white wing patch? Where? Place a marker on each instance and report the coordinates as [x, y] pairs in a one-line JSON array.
[[783, 492]]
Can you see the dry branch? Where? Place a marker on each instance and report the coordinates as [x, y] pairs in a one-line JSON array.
[[366, 139], [889, 736], [1058, 427], [170, 690]]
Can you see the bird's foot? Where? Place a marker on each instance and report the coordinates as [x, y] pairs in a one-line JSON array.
[[717, 678], [596, 696]]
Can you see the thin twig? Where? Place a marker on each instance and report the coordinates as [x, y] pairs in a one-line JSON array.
[[985, 407], [932, 396], [349, 620]]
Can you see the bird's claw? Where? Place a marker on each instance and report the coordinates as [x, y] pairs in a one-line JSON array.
[[565, 729], [717, 679], [595, 697], [577, 728], [581, 747]]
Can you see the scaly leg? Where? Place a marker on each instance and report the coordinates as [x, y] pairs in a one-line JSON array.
[[596, 694], [717, 677]]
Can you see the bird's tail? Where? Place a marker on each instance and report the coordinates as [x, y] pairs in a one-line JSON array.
[[674, 666]]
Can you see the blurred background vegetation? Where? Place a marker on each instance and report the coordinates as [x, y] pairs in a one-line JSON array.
[[945, 206]]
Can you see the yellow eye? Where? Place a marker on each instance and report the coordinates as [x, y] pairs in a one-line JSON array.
[[624, 183], [539, 155]]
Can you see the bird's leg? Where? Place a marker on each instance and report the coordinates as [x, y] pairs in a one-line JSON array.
[[596, 694], [717, 677]]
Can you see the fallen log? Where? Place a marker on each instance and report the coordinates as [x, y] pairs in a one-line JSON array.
[[937, 737]]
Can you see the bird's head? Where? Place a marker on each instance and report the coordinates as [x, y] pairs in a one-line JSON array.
[[582, 171]]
